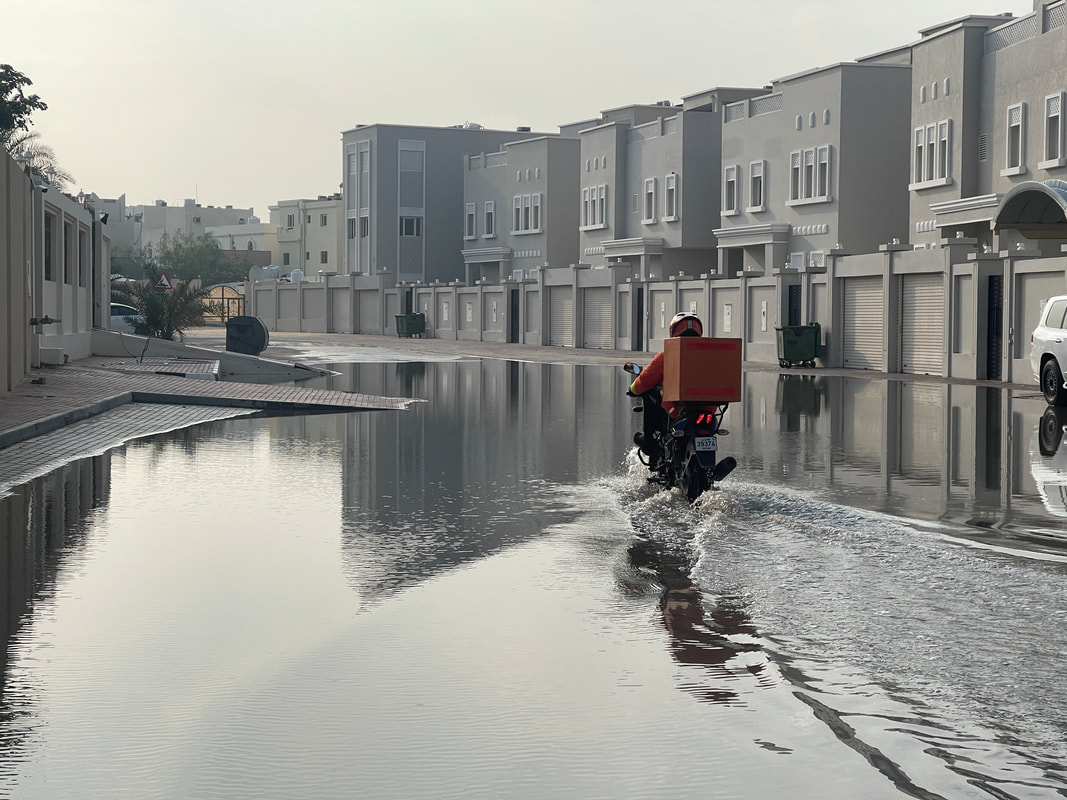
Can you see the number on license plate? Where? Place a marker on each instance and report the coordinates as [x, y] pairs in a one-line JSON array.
[[706, 443]]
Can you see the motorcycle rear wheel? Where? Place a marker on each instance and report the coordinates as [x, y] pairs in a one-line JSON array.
[[695, 482]]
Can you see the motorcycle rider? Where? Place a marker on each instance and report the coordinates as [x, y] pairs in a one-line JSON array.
[[657, 412]]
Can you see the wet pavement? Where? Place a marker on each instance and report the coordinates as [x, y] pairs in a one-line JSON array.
[[481, 596]]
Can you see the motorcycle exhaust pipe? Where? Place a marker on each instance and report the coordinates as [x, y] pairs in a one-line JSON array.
[[723, 468]]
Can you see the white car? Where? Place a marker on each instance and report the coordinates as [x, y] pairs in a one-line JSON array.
[[1048, 350], [123, 317]]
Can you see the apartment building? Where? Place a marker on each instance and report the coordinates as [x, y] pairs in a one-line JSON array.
[[987, 148], [403, 196], [520, 209], [817, 165], [649, 176], [310, 235], [142, 226]]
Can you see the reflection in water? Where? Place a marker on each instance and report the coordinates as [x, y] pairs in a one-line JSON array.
[[710, 641], [820, 597]]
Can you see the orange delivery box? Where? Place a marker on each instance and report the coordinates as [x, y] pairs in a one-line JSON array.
[[699, 369]]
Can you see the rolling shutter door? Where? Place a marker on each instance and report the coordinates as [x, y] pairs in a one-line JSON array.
[[596, 318], [863, 318], [922, 324], [561, 310], [368, 312]]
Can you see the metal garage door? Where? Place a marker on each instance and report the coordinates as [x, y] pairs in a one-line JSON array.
[[368, 313], [561, 311], [863, 322], [596, 318], [922, 324]]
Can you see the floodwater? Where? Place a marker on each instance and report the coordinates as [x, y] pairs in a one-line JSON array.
[[481, 597]]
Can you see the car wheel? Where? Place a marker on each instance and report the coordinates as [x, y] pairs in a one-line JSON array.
[[1050, 432], [1052, 384]]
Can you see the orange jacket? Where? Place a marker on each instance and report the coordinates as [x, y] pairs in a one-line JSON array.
[[651, 377]]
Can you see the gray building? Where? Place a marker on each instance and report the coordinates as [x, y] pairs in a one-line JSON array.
[[988, 133], [520, 209], [648, 178], [403, 191], [817, 165], [142, 226]]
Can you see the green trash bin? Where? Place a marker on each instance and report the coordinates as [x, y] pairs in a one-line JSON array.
[[798, 344], [410, 324]]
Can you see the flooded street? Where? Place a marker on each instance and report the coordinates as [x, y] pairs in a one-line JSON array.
[[482, 597]]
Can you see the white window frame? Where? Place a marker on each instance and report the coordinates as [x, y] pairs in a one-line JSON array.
[[757, 187], [670, 198], [594, 207], [322, 220], [324, 256], [1016, 132], [364, 225], [730, 192], [416, 226], [527, 213], [470, 221], [649, 205], [1053, 140], [290, 221], [931, 155], [490, 220], [811, 175]]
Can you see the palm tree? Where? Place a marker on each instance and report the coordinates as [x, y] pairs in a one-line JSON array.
[[26, 148], [165, 314]]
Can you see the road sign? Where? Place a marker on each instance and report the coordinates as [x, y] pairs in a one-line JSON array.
[[163, 283]]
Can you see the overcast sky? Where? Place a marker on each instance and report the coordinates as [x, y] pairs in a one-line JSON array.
[[240, 102]]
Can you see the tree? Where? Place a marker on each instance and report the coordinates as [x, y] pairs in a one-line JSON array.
[[15, 105], [26, 147], [166, 314], [16, 137], [184, 256]]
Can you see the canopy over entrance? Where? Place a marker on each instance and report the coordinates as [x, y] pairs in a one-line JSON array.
[[1036, 210]]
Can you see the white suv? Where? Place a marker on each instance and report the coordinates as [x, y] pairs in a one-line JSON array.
[[1048, 350]]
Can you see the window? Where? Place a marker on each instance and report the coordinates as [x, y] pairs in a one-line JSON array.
[[601, 204], [670, 197], [322, 220], [48, 222], [490, 219], [932, 155], [755, 186], [324, 257], [285, 259], [309, 219], [822, 172], [635, 203], [364, 227], [1053, 132], [290, 221], [410, 226], [585, 208], [809, 175], [650, 201], [1015, 141], [307, 256], [470, 221], [729, 191], [68, 252], [794, 176], [527, 213], [943, 149]]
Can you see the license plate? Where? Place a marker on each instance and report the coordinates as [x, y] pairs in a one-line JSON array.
[[704, 443]]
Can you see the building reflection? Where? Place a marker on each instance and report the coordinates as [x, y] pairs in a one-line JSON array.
[[42, 523], [913, 448]]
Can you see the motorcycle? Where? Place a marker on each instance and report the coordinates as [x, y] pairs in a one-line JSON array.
[[684, 448]]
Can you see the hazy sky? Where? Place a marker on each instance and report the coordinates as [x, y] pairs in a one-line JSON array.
[[240, 102]]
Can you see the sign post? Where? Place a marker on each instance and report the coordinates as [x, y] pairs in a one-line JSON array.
[[163, 283]]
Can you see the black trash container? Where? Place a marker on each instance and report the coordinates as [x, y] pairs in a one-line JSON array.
[[410, 324], [798, 344], [247, 335]]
